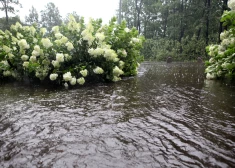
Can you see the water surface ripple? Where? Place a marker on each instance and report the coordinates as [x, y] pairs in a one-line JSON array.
[[166, 116]]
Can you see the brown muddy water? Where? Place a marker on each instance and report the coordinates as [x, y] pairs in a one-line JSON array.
[[169, 115]]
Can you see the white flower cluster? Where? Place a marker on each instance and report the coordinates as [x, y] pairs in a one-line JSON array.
[[100, 36], [53, 76], [23, 44], [110, 55], [60, 57], [51, 54], [43, 31], [117, 71], [24, 57], [73, 25], [231, 4], [69, 46], [84, 72], [46, 43], [87, 33], [122, 52], [72, 80], [37, 50], [96, 52], [98, 70], [224, 35]]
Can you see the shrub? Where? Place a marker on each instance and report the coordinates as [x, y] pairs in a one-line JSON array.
[[222, 61], [72, 53]]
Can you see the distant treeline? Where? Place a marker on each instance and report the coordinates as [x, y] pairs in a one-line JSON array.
[[177, 28]]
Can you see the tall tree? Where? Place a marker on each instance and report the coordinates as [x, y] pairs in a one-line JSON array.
[[33, 16], [11, 20], [75, 15], [8, 7], [50, 16]]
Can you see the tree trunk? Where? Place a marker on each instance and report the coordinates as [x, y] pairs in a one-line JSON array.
[[181, 21], [208, 4], [120, 11], [138, 9], [165, 23], [5, 6]]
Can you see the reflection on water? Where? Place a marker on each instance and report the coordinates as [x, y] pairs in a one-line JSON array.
[[167, 116]]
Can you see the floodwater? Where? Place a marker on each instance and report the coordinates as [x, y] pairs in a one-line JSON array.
[[169, 115]]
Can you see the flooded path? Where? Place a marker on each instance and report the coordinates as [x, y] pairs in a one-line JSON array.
[[169, 115]]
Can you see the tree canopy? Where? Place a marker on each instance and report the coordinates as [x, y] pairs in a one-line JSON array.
[[8, 7], [178, 28], [50, 16]]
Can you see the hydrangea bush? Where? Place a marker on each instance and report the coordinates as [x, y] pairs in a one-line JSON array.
[[222, 61], [70, 54]]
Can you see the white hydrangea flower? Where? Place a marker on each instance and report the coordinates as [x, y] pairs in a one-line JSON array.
[[67, 76], [24, 57], [231, 4], [32, 30], [58, 35], [81, 81], [35, 53], [100, 36], [35, 40], [18, 26], [84, 72], [96, 52], [55, 29], [225, 42], [53, 76], [127, 30], [116, 78], [98, 70], [67, 57], [15, 40], [7, 73], [73, 25], [64, 40], [46, 43], [87, 36], [26, 64], [58, 42], [224, 35], [121, 64], [6, 49], [10, 55], [43, 31], [60, 57], [211, 60], [210, 76], [5, 63], [13, 27], [33, 58], [69, 46], [135, 40], [117, 71], [19, 35], [122, 52], [56, 64], [110, 54], [73, 81], [23, 44], [116, 59]]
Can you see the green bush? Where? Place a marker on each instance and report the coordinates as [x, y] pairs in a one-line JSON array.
[[72, 53], [222, 61], [190, 48]]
